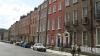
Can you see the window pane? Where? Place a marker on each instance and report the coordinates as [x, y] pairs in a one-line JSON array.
[[67, 2], [60, 6], [98, 36], [85, 11], [75, 1], [54, 8], [85, 8], [53, 24], [50, 1], [75, 16], [98, 10], [85, 37], [59, 22]]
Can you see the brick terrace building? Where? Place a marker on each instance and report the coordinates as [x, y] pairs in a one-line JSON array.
[[37, 24], [33, 25], [97, 22], [12, 33], [81, 23], [78, 22], [43, 21], [55, 23], [24, 28]]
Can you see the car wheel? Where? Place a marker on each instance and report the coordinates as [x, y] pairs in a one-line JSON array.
[[37, 49], [33, 49], [44, 50]]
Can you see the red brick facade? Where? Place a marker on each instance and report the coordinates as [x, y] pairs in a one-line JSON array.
[[55, 17]]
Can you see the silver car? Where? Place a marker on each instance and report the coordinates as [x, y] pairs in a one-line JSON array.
[[39, 47]]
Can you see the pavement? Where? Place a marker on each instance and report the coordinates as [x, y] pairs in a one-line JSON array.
[[62, 53]]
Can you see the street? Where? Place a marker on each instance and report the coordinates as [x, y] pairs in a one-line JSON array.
[[12, 50]]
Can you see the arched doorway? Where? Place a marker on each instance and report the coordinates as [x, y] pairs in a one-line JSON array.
[[67, 39], [58, 40]]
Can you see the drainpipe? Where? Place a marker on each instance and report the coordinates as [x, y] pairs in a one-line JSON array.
[[92, 17], [47, 24]]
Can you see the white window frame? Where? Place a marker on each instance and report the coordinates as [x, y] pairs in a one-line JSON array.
[[67, 17], [50, 1], [96, 12], [59, 22], [75, 16], [54, 8], [50, 10], [60, 6], [97, 44], [67, 2], [75, 1], [53, 0], [84, 7], [84, 12], [53, 24]]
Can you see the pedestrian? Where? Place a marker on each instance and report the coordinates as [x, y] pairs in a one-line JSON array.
[[79, 50], [73, 50]]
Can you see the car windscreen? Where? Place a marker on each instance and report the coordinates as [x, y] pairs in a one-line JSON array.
[[39, 44]]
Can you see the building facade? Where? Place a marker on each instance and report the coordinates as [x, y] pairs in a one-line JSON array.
[[55, 23], [24, 28], [37, 16], [6, 35], [77, 22], [96, 21], [14, 31], [81, 24], [43, 21], [2, 31], [33, 25]]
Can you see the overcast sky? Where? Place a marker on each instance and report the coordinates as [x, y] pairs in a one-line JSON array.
[[11, 10]]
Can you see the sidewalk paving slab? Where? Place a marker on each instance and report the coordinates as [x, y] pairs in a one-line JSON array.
[[62, 53]]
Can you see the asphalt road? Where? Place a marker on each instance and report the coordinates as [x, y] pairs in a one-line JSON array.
[[12, 50]]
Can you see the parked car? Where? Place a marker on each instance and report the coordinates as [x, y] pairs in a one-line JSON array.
[[22, 42], [18, 43], [39, 47], [26, 45]]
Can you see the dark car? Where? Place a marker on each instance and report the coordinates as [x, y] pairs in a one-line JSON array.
[[26, 45], [39, 47], [21, 43]]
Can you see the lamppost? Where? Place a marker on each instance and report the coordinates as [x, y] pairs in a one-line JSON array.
[[92, 23]]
